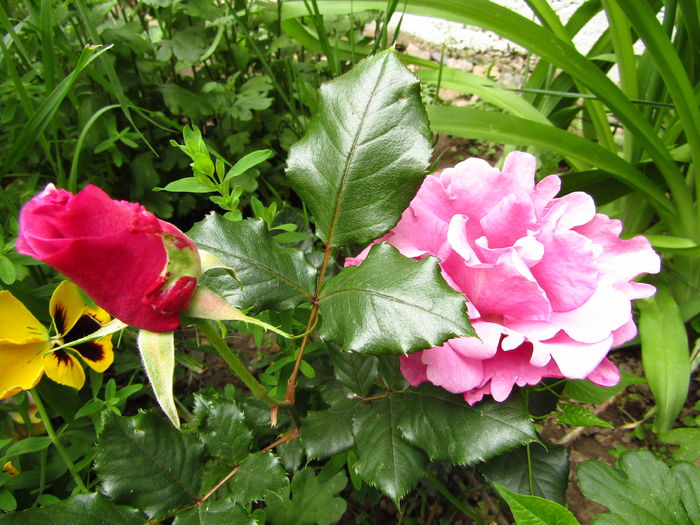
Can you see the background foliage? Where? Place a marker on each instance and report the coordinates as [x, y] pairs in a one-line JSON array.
[[242, 78]]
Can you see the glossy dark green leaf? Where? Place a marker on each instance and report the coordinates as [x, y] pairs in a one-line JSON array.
[[391, 304], [365, 152], [145, 462], [550, 471], [271, 276], [222, 427], [312, 501], [258, 476], [533, 510], [85, 509], [221, 512], [329, 432], [447, 428], [385, 459], [357, 372], [643, 490]]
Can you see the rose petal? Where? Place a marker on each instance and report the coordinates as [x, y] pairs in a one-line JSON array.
[[567, 272]]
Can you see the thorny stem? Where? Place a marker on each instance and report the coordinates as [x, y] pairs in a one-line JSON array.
[[288, 436], [56, 443], [313, 318]]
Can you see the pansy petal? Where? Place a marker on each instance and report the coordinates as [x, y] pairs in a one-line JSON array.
[[66, 307], [97, 354], [17, 324], [64, 368], [21, 366]]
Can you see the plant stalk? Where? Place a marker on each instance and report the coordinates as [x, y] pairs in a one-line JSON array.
[[235, 363], [56, 443]]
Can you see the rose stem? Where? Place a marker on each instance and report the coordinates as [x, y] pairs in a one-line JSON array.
[[235, 363], [313, 318], [56, 443]]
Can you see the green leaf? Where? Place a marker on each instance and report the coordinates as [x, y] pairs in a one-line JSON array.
[[8, 503], [357, 372], [258, 476], [665, 354], [312, 501], [487, 90], [27, 445], [585, 391], [329, 432], [215, 513], [271, 276], [145, 462], [223, 429], [188, 185], [249, 161], [85, 509], [447, 428], [365, 152], [643, 490], [385, 459], [158, 356], [687, 440], [8, 273], [532, 510], [490, 125], [670, 244], [47, 110], [549, 466], [578, 416], [391, 304]]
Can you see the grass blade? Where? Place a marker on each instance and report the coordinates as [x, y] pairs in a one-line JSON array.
[[48, 108]]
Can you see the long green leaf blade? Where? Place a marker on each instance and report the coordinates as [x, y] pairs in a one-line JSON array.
[[664, 354], [473, 123]]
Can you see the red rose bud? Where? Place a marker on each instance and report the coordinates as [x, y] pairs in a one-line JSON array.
[[140, 269]]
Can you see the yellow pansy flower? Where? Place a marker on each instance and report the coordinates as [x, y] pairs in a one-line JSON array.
[[25, 343]]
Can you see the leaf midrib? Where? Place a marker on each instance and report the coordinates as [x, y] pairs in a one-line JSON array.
[[389, 298], [351, 154], [256, 264], [163, 468]]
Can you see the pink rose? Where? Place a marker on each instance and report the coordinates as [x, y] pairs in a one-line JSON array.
[[138, 268], [548, 281]]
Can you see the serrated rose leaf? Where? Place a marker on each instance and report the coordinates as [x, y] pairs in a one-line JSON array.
[[365, 152], [85, 509], [385, 459], [548, 466], [312, 502], [447, 428], [391, 304], [145, 462], [329, 432], [258, 476], [268, 275], [221, 512], [223, 428]]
